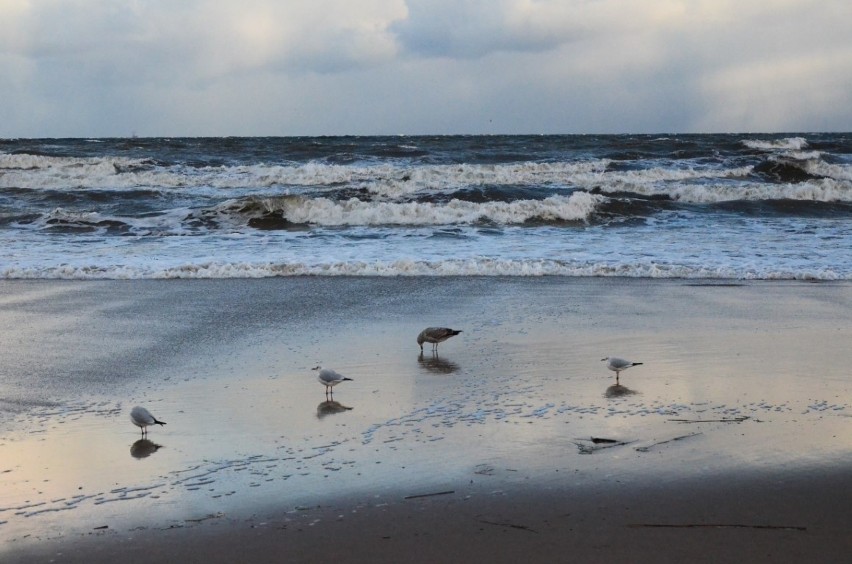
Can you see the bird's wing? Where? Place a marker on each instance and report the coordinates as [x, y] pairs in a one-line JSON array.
[[440, 332], [329, 375]]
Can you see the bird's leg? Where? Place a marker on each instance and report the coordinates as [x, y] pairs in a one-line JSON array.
[[617, 383]]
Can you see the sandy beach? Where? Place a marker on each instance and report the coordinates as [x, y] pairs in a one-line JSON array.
[[730, 443]]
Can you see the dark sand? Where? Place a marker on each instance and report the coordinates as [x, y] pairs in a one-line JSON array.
[[732, 442]]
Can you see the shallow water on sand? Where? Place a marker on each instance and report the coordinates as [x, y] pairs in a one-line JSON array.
[[739, 378]]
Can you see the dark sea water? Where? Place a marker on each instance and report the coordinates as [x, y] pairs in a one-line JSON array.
[[696, 206]]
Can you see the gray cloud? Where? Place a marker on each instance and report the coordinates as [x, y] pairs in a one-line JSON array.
[[199, 67], [475, 28]]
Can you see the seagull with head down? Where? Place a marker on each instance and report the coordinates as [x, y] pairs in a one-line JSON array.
[[435, 335]]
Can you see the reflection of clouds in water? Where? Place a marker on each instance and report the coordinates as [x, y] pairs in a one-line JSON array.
[[618, 391], [330, 407], [437, 365], [143, 448]]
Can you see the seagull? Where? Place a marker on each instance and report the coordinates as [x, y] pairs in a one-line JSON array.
[[618, 364], [141, 417], [435, 335], [329, 378]]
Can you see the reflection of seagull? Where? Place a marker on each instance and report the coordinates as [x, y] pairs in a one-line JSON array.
[[330, 407], [618, 364], [437, 365], [435, 335], [143, 448], [329, 378], [617, 391], [142, 418]]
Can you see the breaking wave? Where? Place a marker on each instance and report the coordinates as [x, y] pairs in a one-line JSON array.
[[785, 144], [323, 211]]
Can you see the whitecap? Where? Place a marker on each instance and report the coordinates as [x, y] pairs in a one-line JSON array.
[[324, 211]]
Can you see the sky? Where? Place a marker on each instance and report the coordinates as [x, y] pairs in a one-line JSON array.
[[98, 68]]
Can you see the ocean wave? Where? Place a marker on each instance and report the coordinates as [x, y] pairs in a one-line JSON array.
[[657, 175], [820, 190], [579, 206], [392, 181], [828, 170], [386, 180], [61, 220], [785, 144], [470, 267]]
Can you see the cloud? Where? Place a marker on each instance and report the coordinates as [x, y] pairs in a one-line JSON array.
[[792, 91], [203, 38], [100, 67], [475, 28]]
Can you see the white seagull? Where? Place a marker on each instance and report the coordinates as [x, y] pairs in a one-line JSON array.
[[329, 378], [142, 418], [435, 335], [618, 364]]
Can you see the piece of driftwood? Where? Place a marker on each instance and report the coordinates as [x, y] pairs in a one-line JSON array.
[[723, 420], [598, 443], [649, 447], [509, 526], [205, 518], [415, 496]]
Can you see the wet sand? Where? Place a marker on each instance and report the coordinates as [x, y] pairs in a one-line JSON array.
[[731, 442]]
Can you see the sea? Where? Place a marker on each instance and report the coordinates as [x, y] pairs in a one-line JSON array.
[[710, 206]]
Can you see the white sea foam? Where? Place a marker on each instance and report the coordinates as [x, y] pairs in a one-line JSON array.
[[623, 180], [786, 144], [388, 180], [323, 211], [469, 267], [822, 190], [829, 170], [169, 222]]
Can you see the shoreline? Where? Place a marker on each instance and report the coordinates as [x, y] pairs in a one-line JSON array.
[[732, 432]]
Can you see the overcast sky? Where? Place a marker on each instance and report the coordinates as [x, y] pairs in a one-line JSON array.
[[322, 67]]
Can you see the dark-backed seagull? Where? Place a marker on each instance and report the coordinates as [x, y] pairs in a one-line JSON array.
[[435, 335]]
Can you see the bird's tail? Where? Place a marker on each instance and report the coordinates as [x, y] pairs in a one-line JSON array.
[[159, 422], [636, 363], [455, 332], [350, 379]]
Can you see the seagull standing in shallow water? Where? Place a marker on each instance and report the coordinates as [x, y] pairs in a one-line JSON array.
[[329, 378], [618, 364], [142, 418], [435, 335]]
